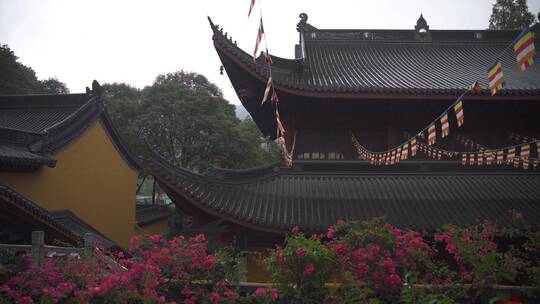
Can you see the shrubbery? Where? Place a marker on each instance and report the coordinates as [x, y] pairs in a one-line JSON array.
[[354, 262]]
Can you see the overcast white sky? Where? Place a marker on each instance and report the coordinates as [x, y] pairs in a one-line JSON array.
[[134, 41]]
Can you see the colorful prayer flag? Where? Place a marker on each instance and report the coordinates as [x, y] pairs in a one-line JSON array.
[[445, 127], [510, 155], [495, 78], [524, 49], [471, 159], [398, 154], [525, 151], [526, 163], [258, 41], [489, 159], [464, 159], [393, 157], [538, 149], [251, 6], [431, 136], [439, 155], [413, 147], [405, 151], [458, 108], [516, 162], [480, 161], [267, 89], [500, 157]]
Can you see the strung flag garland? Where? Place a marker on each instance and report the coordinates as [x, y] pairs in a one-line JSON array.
[[523, 47], [458, 109]]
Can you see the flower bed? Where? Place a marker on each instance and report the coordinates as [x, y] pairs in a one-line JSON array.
[[354, 262]]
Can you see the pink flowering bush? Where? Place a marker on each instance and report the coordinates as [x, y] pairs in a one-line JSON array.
[[301, 268], [374, 259], [158, 271]]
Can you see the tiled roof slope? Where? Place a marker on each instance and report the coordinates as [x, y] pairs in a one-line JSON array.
[[279, 199], [148, 214], [32, 126], [391, 61], [13, 202]]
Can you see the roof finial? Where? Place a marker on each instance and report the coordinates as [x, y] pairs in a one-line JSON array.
[[303, 21]]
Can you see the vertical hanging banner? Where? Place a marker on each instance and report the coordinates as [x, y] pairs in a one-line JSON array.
[[251, 4], [431, 134], [267, 90], [524, 49], [445, 127], [496, 78], [258, 41], [458, 108], [413, 147]]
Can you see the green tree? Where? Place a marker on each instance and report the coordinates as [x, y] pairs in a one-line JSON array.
[[16, 78], [186, 117], [123, 104], [54, 86], [510, 15]]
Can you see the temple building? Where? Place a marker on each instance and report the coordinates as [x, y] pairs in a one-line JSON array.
[[64, 170], [375, 87]]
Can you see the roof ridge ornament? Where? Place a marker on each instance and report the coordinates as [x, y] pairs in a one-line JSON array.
[[421, 30], [302, 23]]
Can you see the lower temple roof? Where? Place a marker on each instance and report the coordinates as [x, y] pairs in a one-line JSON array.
[[276, 199]]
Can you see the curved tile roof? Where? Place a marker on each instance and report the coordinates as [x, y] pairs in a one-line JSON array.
[[278, 200], [391, 61], [41, 124]]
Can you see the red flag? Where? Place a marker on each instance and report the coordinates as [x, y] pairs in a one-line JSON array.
[[267, 90], [251, 7], [258, 41]]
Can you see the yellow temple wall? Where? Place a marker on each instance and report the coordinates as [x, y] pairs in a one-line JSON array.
[[91, 179], [256, 271]]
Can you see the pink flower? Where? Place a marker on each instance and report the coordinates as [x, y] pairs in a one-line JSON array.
[[300, 251], [209, 262], [200, 238], [273, 293], [331, 231], [394, 280], [214, 297], [310, 269], [340, 222], [342, 249], [155, 238], [295, 230], [260, 292]]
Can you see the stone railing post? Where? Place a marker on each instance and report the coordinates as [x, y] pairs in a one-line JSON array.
[[38, 240], [89, 245]]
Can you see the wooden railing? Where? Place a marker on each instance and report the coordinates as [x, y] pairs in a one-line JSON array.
[[39, 250]]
